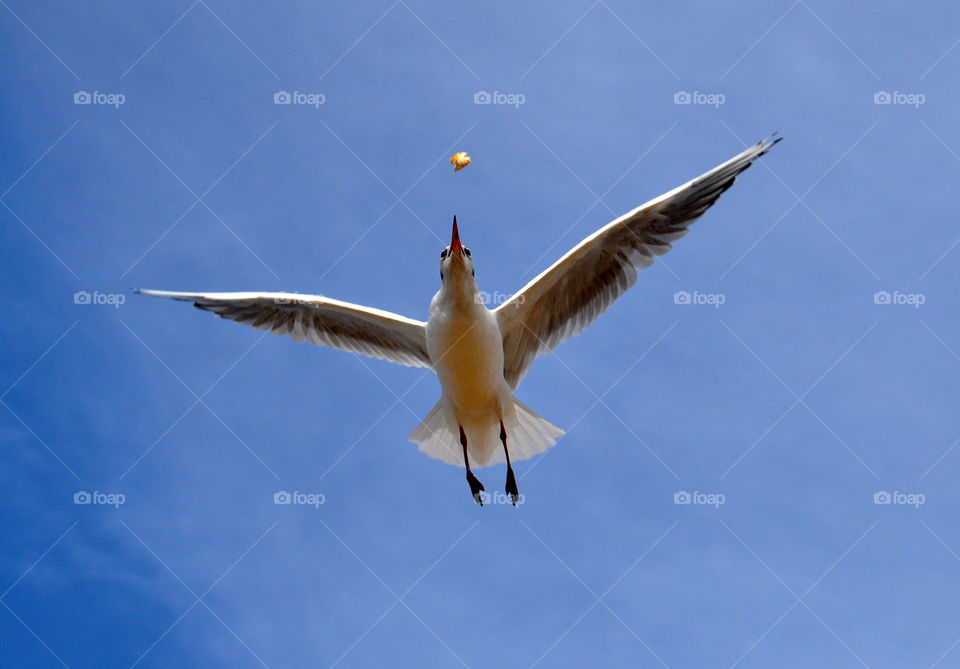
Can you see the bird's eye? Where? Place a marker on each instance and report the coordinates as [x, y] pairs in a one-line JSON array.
[[443, 254], [466, 251]]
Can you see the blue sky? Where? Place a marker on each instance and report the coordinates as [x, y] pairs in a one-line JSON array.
[[794, 402]]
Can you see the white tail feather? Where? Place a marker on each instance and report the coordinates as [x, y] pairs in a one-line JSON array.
[[527, 435]]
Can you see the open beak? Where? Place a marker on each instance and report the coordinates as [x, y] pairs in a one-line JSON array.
[[455, 246]]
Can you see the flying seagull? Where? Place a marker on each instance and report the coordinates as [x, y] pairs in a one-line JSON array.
[[481, 355]]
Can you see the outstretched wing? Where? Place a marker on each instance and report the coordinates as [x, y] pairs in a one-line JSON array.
[[571, 293], [320, 320]]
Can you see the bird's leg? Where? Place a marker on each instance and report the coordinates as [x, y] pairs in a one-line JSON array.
[[475, 486], [511, 486]]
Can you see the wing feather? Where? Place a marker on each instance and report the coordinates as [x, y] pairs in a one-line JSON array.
[[320, 320], [571, 293]]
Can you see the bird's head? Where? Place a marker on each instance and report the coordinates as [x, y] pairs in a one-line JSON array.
[[455, 260]]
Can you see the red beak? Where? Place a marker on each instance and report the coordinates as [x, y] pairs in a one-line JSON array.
[[455, 246]]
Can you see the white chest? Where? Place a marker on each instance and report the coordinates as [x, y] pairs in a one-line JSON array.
[[465, 345]]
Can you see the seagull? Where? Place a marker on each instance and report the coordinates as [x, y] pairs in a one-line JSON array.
[[481, 355]]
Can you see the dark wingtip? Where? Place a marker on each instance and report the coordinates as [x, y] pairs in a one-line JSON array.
[[768, 143]]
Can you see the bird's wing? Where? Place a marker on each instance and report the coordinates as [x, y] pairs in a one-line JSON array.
[[320, 320], [571, 293]]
